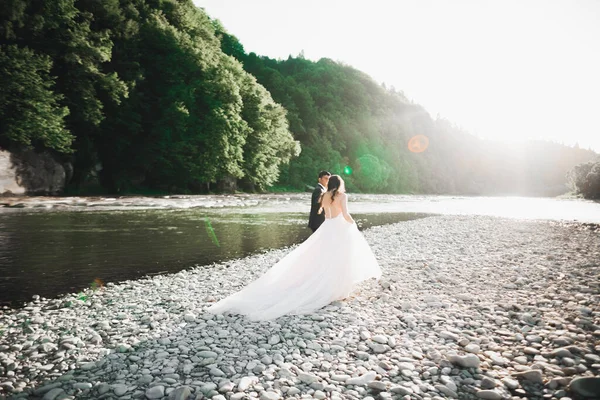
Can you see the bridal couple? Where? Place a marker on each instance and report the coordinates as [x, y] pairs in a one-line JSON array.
[[324, 268]]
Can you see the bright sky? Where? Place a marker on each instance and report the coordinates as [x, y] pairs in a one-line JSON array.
[[502, 69]]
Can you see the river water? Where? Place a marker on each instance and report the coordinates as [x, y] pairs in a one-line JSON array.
[[52, 246]]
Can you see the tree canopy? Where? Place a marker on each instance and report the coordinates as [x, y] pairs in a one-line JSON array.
[[154, 94], [139, 90]]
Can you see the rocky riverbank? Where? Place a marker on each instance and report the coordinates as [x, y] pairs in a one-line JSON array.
[[145, 202], [469, 307]]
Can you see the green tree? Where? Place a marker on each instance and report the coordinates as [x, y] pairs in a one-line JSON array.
[[30, 111]]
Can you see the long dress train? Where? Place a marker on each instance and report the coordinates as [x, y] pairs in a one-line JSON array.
[[324, 268]]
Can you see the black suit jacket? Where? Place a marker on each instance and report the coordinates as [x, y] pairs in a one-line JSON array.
[[315, 219]]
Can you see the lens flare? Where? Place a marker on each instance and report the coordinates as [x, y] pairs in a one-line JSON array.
[[418, 143], [347, 170], [211, 232]]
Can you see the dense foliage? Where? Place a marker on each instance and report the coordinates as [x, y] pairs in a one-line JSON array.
[[154, 95], [144, 90], [584, 179], [343, 118]]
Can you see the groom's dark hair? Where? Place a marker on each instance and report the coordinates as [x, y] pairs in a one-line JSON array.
[[324, 173]]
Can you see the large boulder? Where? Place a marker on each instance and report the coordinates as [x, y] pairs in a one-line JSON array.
[[8, 176], [32, 172]]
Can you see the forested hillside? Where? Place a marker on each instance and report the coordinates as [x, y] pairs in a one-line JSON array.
[[135, 93], [153, 95], [342, 117]]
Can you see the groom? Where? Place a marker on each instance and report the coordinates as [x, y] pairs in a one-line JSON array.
[[315, 220]]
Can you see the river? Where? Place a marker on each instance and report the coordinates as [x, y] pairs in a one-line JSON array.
[[50, 246]]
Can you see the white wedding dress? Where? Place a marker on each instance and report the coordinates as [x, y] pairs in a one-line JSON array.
[[324, 268]]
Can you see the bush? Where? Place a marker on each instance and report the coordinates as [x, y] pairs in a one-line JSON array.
[[585, 179]]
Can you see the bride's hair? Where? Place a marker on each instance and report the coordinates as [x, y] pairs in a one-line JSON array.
[[335, 185]]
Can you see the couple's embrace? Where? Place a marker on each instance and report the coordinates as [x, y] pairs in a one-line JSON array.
[[324, 268]]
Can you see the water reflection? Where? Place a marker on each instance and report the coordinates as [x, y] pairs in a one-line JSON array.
[[49, 253]]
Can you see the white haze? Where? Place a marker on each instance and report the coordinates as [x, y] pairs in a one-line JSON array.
[[504, 70]]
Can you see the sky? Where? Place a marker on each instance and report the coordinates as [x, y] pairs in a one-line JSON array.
[[505, 70]]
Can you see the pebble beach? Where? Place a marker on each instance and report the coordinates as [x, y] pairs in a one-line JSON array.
[[469, 307]]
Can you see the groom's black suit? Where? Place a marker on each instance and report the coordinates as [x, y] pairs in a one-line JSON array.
[[315, 219]]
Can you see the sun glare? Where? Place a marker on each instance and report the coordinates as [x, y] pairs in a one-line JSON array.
[[503, 70]]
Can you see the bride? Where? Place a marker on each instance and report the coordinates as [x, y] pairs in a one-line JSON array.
[[324, 268]]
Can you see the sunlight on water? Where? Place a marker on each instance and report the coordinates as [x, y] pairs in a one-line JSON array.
[[51, 251], [506, 207]]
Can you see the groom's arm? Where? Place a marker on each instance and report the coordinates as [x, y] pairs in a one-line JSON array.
[[316, 205], [315, 197]]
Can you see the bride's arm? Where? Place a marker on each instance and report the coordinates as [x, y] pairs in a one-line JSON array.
[[347, 216]]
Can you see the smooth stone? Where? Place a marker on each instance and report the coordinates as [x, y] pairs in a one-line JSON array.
[[531, 351], [489, 395], [307, 378], [46, 388], [402, 391], [181, 393], [216, 372], [318, 395], [207, 354], [561, 352], [532, 375], [446, 390], [103, 388], [592, 358], [362, 380], [466, 361], [449, 335], [266, 395], [521, 360], [488, 383], [380, 339], [82, 385], [585, 386], [53, 394], [510, 383], [246, 382], [207, 388], [377, 385], [562, 341], [189, 318], [378, 348], [472, 348], [155, 392], [340, 378], [88, 366], [273, 340], [534, 338], [119, 389]]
